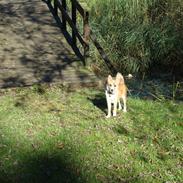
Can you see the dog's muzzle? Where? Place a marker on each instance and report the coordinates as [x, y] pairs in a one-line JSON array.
[[110, 92]]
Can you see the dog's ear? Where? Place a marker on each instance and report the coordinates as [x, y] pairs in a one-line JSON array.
[[109, 79], [119, 78]]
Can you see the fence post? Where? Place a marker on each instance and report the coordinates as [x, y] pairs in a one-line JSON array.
[[63, 17], [55, 8], [86, 33], [74, 21]]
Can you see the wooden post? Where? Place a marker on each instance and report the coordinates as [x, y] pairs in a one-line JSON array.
[[74, 21], [55, 8], [63, 17], [86, 34]]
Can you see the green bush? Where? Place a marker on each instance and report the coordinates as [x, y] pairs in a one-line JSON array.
[[139, 35]]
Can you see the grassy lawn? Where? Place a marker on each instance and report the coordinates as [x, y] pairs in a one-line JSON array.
[[54, 135]]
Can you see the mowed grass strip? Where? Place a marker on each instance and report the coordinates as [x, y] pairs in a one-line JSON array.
[[49, 134]]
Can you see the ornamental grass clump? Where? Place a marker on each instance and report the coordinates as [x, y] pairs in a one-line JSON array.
[[138, 35]]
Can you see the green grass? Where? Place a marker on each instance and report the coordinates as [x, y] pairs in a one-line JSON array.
[[49, 134]]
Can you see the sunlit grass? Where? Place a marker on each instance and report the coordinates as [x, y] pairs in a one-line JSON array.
[[49, 134]]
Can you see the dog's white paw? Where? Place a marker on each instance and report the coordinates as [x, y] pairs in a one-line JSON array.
[[124, 110], [114, 114], [108, 116]]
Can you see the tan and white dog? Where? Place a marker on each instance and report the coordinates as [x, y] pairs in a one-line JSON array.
[[115, 91]]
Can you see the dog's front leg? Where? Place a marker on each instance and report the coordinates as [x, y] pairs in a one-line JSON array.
[[115, 107], [108, 106]]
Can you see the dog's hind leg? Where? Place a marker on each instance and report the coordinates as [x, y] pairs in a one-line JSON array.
[[115, 107], [119, 105], [124, 104]]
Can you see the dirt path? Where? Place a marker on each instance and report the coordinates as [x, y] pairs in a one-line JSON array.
[[32, 47]]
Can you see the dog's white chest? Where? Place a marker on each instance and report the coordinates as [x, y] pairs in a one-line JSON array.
[[111, 97]]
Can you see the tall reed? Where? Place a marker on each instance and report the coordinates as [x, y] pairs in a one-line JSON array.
[[140, 34]]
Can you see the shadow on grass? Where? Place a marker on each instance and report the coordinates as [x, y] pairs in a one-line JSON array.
[[46, 168], [99, 101], [42, 168], [121, 130]]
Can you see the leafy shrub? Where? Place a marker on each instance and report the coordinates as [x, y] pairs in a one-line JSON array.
[[139, 35]]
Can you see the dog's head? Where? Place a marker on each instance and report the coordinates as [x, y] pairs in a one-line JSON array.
[[112, 84]]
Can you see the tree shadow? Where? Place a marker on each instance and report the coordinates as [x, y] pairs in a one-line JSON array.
[[43, 168], [33, 46], [13, 82], [56, 167]]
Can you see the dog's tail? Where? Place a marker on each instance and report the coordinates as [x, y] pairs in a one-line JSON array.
[[120, 78]]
